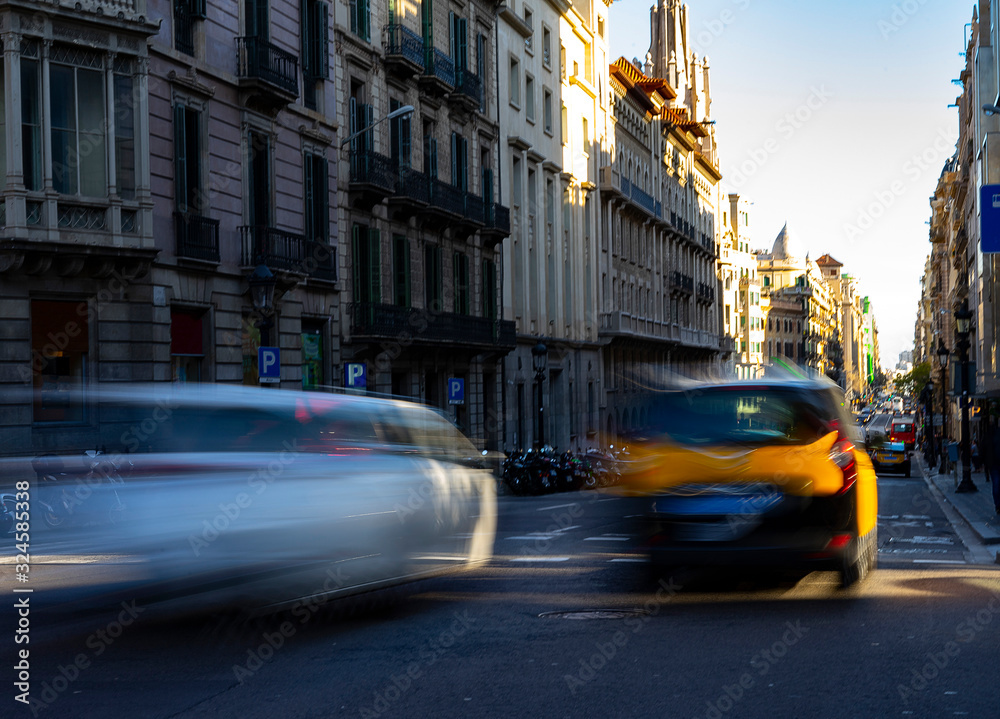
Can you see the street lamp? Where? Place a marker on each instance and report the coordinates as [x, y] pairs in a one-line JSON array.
[[929, 402], [262, 282], [963, 322], [942, 353], [539, 361], [398, 112]]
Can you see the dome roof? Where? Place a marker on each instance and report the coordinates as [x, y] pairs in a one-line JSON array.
[[780, 249]]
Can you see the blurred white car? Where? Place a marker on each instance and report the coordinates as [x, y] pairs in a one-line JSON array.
[[261, 497]]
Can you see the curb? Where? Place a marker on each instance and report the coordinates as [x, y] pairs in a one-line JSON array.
[[989, 541]]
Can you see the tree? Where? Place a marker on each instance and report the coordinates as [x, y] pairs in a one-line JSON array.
[[914, 381]]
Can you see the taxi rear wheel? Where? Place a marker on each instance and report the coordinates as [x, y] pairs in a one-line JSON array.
[[860, 559]]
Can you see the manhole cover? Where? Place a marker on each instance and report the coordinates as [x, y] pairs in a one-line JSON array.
[[595, 614]]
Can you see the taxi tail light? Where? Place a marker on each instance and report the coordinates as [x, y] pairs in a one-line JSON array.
[[842, 455]]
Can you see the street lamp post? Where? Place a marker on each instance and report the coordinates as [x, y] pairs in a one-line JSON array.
[[942, 353], [398, 112], [539, 361], [963, 320], [262, 282], [929, 402]]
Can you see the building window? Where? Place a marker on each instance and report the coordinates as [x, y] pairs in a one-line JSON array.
[[79, 160], [400, 271], [361, 19], [315, 49], [529, 98], [481, 46], [562, 62], [31, 121], [546, 47], [515, 83], [187, 342], [459, 43], [365, 251], [187, 159], [529, 21], [317, 197], [460, 270], [185, 13], [313, 363], [399, 137], [547, 110], [60, 343], [564, 129], [489, 289], [124, 137], [433, 278], [459, 161], [430, 152]]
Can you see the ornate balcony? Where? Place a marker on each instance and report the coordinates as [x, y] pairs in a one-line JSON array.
[[706, 293], [439, 71], [681, 282], [197, 237], [421, 326], [497, 223], [468, 89], [640, 198], [404, 51], [373, 177], [411, 192], [275, 248], [267, 71]]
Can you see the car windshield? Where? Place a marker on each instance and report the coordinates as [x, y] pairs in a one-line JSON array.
[[739, 415]]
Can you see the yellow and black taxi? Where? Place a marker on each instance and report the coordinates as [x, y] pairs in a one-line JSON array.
[[890, 457], [760, 472]]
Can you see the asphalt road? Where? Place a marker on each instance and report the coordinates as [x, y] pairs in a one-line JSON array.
[[566, 622]]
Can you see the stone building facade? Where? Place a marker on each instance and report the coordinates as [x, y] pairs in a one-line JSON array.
[[421, 212]]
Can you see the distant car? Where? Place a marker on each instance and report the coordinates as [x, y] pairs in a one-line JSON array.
[[892, 457], [756, 472]]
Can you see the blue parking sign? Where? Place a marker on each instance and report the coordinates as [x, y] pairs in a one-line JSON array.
[[456, 390], [355, 375], [269, 365], [989, 218]]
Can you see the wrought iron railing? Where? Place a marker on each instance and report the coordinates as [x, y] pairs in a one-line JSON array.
[[412, 184], [682, 281], [640, 197], [447, 197], [468, 83], [371, 168], [277, 249], [257, 58], [197, 236], [401, 41], [439, 65], [417, 324]]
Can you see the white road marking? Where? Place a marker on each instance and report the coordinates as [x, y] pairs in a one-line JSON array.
[[937, 561], [606, 539], [923, 540], [629, 559], [558, 506], [540, 559], [915, 516]]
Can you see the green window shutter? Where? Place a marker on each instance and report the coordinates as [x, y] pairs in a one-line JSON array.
[[454, 159], [456, 274], [305, 37], [321, 179], [462, 40], [180, 158], [320, 61], [452, 39], [375, 265], [354, 15], [198, 9], [427, 27], [356, 263], [404, 141], [366, 19], [261, 19], [310, 196]]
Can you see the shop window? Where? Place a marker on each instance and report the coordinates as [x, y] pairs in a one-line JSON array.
[[312, 356], [60, 342], [187, 343]]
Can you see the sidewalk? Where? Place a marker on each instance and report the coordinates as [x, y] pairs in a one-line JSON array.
[[976, 508]]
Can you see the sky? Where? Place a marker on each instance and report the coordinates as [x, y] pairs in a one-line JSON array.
[[834, 118]]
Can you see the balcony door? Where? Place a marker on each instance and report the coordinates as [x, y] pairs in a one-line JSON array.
[[257, 19], [259, 214]]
